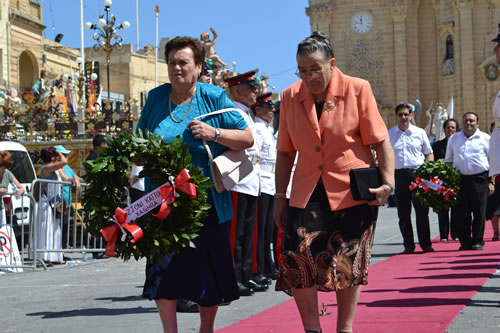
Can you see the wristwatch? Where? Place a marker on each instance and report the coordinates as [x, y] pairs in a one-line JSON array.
[[391, 187], [217, 134]]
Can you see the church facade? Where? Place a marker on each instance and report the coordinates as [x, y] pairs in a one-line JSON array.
[[429, 50]]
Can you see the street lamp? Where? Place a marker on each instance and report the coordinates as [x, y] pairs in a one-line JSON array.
[[107, 39]]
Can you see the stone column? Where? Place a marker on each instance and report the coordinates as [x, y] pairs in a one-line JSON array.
[[466, 62], [399, 11]]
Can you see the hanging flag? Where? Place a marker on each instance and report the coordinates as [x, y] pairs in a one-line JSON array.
[[449, 108]]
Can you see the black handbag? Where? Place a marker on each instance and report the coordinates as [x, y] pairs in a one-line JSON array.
[[361, 180]]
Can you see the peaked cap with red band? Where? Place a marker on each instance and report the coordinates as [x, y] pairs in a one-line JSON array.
[[245, 78], [262, 99]]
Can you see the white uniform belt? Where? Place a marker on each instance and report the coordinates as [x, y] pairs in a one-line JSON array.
[[267, 166]]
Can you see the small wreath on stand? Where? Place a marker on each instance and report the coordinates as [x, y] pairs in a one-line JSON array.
[[163, 162], [436, 186]]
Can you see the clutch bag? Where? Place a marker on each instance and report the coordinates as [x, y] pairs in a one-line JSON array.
[[361, 180]]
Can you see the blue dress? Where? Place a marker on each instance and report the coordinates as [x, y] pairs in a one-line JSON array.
[[204, 274]]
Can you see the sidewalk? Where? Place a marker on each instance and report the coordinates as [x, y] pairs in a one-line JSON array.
[[105, 295]]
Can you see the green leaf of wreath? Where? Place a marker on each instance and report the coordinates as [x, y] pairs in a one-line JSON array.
[[107, 180]]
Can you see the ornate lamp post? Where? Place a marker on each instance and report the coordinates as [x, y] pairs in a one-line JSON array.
[[107, 39], [82, 86]]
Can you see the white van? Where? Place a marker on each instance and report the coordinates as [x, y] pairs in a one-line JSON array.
[[24, 171]]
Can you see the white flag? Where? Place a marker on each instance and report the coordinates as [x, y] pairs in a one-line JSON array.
[[449, 108]]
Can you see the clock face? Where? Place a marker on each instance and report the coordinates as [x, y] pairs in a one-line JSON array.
[[362, 23]]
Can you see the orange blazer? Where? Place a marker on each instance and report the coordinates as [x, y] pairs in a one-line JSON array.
[[335, 145]]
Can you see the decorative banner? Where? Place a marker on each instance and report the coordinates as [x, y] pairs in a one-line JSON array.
[[111, 233], [145, 204]]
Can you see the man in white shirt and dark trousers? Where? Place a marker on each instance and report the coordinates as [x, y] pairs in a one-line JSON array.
[[467, 152], [264, 113], [411, 149], [244, 93]]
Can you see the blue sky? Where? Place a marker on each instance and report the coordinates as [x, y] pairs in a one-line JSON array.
[[256, 34]]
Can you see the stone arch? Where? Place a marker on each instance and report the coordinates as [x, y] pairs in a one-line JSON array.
[[28, 70]]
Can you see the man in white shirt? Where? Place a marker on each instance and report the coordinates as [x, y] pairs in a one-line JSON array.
[[264, 114], [411, 149], [243, 89], [467, 151]]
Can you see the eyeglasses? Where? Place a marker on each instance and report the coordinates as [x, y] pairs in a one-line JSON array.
[[302, 73], [401, 115]]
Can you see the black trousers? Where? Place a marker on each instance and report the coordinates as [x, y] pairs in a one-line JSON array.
[[245, 225], [473, 198], [265, 224], [447, 224], [404, 177]]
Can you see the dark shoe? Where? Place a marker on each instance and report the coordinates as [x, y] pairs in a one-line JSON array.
[[465, 248], [495, 238], [408, 250], [244, 290], [98, 255], [428, 249], [183, 305], [261, 279], [477, 246], [272, 275], [256, 286], [444, 239]]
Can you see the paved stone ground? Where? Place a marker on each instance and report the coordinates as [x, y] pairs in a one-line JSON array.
[[104, 296]]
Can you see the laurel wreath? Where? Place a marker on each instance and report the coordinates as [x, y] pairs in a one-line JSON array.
[[106, 176], [447, 177]]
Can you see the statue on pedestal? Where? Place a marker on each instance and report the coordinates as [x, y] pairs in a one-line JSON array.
[[209, 47]]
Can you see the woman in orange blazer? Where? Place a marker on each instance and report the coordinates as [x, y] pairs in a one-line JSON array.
[[331, 120]]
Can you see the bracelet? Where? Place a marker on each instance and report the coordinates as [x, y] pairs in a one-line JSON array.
[[279, 195], [390, 186]]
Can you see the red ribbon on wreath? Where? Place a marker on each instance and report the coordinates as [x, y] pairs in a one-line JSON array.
[[415, 184], [169, 192], [111, 233]]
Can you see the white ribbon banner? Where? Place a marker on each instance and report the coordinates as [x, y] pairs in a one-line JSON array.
[[145, 204]]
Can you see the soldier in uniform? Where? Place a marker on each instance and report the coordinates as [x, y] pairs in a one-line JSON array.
[[243, 89], [264, 114]]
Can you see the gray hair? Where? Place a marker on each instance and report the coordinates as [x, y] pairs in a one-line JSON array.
[[317, 42]]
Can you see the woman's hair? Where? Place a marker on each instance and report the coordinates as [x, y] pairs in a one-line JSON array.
[[317, 42], [181, 42], [5, 159], [46, 154]]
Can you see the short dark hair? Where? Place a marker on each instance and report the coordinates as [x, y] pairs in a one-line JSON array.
[[46, 154], [401, 106], [181, 42], [472, 113], [6, 159], [98, 140], [445, 124], [317, 42]]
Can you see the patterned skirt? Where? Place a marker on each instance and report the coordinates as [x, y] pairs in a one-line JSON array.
[[324, 248]]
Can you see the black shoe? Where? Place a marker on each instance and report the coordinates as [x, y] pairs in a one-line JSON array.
[[477, 246], [496, 237], [256, 286], [465, 248], [244, 290], [427, 249], [272, 275], [261, 279], [98, 255], [183, 305], [408, 250]]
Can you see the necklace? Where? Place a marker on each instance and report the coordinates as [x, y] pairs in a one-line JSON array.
[[170, 108]]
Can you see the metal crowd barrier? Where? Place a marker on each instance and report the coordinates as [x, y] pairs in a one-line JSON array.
[[26, 225]]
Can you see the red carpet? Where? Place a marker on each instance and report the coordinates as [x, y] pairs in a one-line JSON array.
[[406, 293]]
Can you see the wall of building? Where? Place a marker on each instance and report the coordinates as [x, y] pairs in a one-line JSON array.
[[403, 52]]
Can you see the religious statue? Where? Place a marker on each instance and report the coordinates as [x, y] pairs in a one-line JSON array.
[[440, 117], [209, 47], [264, 84]]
